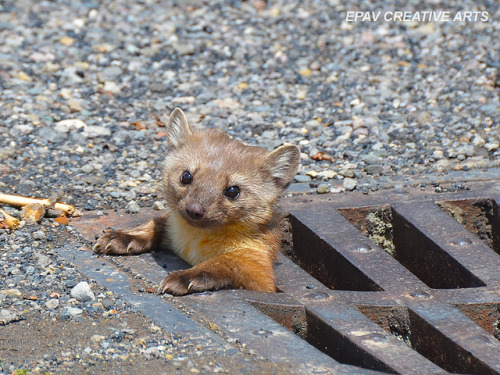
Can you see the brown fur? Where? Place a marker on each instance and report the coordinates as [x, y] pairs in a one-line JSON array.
[[234, 241]]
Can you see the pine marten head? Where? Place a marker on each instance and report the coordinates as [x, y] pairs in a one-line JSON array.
[[212, 180]]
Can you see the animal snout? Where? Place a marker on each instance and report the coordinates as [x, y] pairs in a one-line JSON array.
[[195, 211]]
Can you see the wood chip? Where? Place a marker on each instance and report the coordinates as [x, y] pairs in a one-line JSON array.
[[322, 156], [62, 220], [33, 213], [10, 221], [139, 125]]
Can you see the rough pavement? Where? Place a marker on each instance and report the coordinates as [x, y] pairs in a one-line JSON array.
[[84, 89]]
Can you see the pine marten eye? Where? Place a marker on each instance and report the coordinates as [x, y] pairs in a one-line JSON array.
[[232, 192], [186, 178]]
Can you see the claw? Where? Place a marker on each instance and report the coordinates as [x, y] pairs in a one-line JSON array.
[[129, 247], [161, 288]]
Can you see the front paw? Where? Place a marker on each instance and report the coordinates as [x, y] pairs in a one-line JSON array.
[[119, 242], [180, 283]]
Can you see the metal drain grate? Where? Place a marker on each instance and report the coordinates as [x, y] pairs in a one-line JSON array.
[[396, 281]]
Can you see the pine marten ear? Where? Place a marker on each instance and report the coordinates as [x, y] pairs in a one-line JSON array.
[[178, 128], [283, 164]]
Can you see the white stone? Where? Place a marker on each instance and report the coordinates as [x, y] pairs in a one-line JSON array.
[[323, 189], [492, 146], [329, 174], [65, 126], [438, 154], [132, 207], [82, 292], [112, 87], [11, 292], [97, 338], [7, 316], [73, 311], [96, 131], [478, 141], [350, 183], [52, 304]]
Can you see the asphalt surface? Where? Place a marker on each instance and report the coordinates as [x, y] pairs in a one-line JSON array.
[[85, 87]]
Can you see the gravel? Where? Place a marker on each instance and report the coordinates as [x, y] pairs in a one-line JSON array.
[[85, 86]]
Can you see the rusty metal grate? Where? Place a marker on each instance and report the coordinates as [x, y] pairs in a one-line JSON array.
[[398, 281]]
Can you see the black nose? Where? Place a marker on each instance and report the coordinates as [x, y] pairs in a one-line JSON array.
[[195, 211]]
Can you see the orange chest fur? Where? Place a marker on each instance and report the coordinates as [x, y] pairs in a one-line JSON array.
[[196, 245]]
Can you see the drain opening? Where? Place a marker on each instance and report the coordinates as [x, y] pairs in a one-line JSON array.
[[292, 318], [479, 216], [485, 315], [425, 339], [322, 336], [333, 343], [410, 247], [392, 319], [322, 261], [375, 222]]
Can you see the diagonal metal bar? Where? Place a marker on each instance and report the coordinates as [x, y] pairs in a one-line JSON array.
[[452, 340], [467, 257], [351, 336]]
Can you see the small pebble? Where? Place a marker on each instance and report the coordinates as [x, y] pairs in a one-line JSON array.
[[132, 207], [492, 146], [11, 292], [347, 173], [82, 292], [39, 235], [370, 159], [112, 87], [130, 195], [52, 304], [328, 174], [323, 189], [75, 105], [350, 183], [41, 260], [158, 206], [87, 168], [374, 169], [8, 316], [73, 311], [302, 178], [97, 338], [438, 154]]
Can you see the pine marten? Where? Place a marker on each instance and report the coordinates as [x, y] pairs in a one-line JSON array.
[[222, 197]]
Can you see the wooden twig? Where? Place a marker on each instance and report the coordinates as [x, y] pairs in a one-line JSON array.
[[19, 201], [11, 221]]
